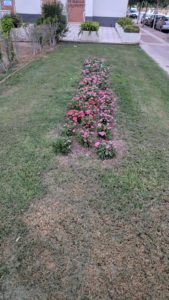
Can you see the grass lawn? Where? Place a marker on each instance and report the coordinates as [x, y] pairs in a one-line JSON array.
[[78, 228]]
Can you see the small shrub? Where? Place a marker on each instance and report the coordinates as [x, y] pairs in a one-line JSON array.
[[50, 20], [131, 28], [53, 13], [52, 10], [68, 129], [125, 22], [47, 21], [128, 25], [10, 21], [62, 146], [40, 20], [90, 27], [17, 21], [7, 24], [105, 150], [85, 138]]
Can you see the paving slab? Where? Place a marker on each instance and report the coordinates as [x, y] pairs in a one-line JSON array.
[[149, 39], [156, 47], [107, 35]]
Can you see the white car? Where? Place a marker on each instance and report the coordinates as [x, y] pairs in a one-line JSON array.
[[163, 24], [132, 13]]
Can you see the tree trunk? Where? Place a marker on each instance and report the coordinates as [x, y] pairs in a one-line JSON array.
[[4, 53]]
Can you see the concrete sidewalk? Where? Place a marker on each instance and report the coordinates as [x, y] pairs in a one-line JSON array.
[[107, 35], [156, 47]]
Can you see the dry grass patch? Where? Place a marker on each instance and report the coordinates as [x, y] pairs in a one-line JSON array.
[[102, 257]]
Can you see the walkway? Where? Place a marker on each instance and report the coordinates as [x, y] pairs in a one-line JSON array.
[[156, 46], [107, 35]]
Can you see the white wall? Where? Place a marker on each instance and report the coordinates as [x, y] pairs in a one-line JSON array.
[[64, 2], [109, 8], [31, 6], [28, 6], [89, 8]]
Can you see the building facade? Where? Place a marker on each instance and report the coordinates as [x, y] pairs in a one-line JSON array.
[[29, 10], [106, 12], [6, 7]]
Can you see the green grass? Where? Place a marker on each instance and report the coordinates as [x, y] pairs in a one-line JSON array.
[[94, 231]]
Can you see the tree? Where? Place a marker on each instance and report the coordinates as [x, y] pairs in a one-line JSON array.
[[159, 3]]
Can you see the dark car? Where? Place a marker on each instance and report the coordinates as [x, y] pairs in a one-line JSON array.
[[163, 24], [153, 19], [145, 18]]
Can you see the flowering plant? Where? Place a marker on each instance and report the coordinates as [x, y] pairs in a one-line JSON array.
[[85, 138], [91, 113], [62, 145], [105, 149]]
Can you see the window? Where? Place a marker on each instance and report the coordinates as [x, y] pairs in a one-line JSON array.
[[7, 2]]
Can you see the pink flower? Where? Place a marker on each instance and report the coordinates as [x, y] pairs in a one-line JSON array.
[[97, 144], [102, 133], [81, 114], [86, 134], [88, 112]]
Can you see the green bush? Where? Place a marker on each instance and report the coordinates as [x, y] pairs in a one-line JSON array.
[[40, 20], [50, 20], [131, 28], [17, 20], [62, 146], [10, 21], [52, 10], [125, 22], [128, 25], [90, 27], [6, 24], [53, 14]]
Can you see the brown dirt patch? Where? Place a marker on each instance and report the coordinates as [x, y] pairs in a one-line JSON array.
[[101, 258], [77, 250]]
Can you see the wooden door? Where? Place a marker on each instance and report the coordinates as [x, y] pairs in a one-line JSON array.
[[76, 10]]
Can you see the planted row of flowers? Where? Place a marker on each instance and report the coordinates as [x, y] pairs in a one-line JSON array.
[[90, 118]]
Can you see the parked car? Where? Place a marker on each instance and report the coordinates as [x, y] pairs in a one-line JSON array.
[[154, 18], [163, 24], [145, 18], [133, 13]]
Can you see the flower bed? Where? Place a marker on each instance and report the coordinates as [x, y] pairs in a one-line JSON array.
[[90, 117]]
